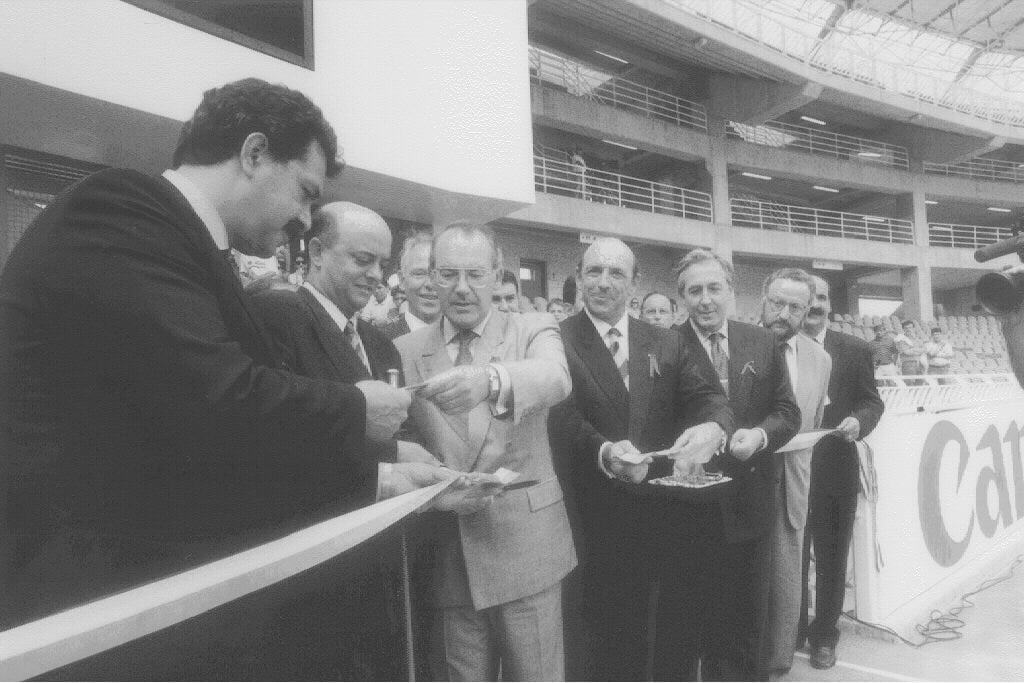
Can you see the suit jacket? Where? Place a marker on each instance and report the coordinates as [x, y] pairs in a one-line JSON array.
[[310, 343], [393, 329], [814, 368], [520, 544], [761, 396], [661, 402], [145, 421], [852, 389]]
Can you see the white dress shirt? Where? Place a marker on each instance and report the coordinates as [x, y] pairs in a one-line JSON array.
[[341, 320], [202, 206]]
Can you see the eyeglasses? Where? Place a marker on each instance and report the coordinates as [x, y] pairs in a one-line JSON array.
[[795, 309], [418, 275], [476, 277]]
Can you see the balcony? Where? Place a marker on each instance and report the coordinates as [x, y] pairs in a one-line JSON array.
[[565, 75], [748, 213], [964, 236], [820, 142], [981, 169], [554, 176]]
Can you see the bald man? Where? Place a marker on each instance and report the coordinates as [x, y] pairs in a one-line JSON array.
[[317, 332]]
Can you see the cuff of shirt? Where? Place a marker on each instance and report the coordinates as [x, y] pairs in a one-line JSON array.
[[384, 485], [502, 405], [600, 459], [764, 439]]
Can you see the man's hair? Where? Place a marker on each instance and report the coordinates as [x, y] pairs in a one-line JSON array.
[[907, 322], [411, 243], [469, 228], [556, 302], [936, 329], [700, 256], [507, 276], [323, 226], [643, 303], [795, 274], [229, 114]]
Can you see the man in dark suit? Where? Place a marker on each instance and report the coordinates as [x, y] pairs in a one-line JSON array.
[[146, 423], [421, 295], [716, 613], [636, 389], [853, 412]]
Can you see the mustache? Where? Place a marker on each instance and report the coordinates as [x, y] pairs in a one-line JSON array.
[[816, 310]]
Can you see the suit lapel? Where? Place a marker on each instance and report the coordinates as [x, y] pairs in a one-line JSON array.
[[343, 357], [641, 383], [434, 360], [599, 363]]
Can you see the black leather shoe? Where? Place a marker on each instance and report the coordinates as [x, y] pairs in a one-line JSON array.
[[823, 657]]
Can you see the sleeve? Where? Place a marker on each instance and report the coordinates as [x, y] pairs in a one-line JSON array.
[[867, 405], [783, 421], [541, 378]]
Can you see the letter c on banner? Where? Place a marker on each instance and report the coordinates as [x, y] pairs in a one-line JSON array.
[[942, 547]]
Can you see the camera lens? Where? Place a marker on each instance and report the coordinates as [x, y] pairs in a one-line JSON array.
[[998, 293]]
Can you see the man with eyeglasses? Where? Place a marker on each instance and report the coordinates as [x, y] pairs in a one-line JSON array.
[[717, 616], [489, 378], [420, 293], [853, 410], [786, 297]]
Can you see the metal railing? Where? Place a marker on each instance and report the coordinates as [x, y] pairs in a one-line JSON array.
[[821, 53], [824, 143], [576, 78], [964, 236], [552, 176], [985, 169], [749, 213], [917, 393]]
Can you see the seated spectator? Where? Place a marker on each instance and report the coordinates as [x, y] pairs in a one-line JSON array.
[[884, 352]]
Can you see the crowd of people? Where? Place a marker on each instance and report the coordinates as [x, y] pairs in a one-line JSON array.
[[157, 413]]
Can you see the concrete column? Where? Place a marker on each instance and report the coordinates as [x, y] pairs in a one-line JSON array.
[[718, 170], [917, 281]]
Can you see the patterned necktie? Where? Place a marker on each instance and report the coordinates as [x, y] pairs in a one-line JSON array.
[[353, 339], [465, 356], [720, 359], [618, 354]]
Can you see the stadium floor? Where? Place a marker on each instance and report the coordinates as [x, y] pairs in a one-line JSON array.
[[990, 646]]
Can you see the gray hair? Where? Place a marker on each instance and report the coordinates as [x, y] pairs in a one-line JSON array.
[[795, 274], [417, 239], [700, 256], [469, 228]]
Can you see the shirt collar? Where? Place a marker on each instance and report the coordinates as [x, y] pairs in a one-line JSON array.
[[332, 309], [201, 205], [413, 321], [602, 327], [450, 331], [723, 330]]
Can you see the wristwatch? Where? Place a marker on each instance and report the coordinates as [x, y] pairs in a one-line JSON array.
[[493, 383]]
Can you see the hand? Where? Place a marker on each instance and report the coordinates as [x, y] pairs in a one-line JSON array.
[[744, 443], [629, 472], [697, 444], [410, 451], [409, 476], [472, 493], [457, 390], [386, 409], [849, 429]]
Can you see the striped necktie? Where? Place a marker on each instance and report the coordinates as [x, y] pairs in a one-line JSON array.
[[720, 359], [618, 354], [357, 345]]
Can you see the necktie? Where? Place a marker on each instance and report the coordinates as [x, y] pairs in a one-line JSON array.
[[349, 333], [618, 354], [465, 356], [719, 359]]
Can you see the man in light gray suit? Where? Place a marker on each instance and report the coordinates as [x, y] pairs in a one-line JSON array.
[[787, 296], [490, 379]]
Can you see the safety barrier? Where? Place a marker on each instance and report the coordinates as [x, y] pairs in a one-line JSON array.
[[964, 236], [749, 213], [919, 393], [578, 79], [559, 177], [820, 142], [983, 169]]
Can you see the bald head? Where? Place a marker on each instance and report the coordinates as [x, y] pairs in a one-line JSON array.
[[607, 278], [349, 248]]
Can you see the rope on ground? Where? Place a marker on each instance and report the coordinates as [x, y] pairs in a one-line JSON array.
[[944, 626]]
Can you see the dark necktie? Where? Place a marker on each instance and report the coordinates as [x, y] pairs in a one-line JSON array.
[[465, 356], [719, 359], [618, 354]]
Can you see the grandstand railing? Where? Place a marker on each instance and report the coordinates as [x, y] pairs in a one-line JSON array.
[[919, 393], [820, 142], [576, 78], [984, 169], [749, 213], [553, 176], [964, 236], [818, 52]]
